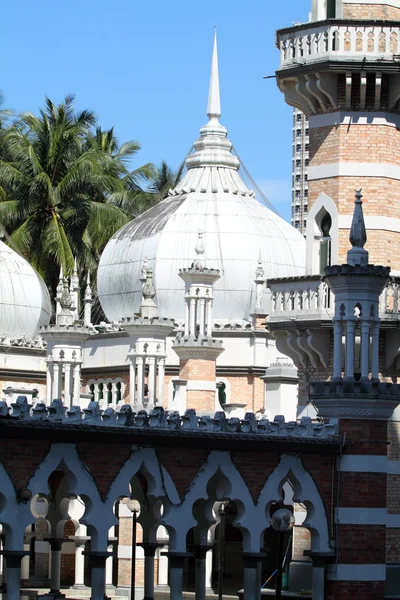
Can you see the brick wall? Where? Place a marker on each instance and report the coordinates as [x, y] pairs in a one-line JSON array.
[[354, 590], [301, 542], [371, 11]]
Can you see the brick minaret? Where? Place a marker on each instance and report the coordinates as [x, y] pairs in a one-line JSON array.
[[342, 70], [196, 348], [362, 408]]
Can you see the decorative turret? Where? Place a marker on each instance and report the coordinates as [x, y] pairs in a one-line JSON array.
[[59, 291], [65, 318], [148, 333], [196, 348], [259, 281]]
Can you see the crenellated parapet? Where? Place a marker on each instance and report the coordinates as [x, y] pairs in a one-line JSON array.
[[159, 419]]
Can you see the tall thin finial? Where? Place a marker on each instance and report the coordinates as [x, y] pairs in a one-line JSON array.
[[214, 103], [358, 235]]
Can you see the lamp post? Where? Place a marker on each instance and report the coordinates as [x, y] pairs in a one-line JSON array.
[[282, 521], [134, 507], [221, 554]]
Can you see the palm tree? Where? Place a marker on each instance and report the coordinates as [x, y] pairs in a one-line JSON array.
[[54, 189], [131, 198], [166, 178]]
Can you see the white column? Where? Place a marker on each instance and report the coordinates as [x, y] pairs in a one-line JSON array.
[[79, 565], [375, 351], [202, 317], [56, 381], [132, 380], [349, 368], [187, 317], [109, 567], [192, 325], [337, 350], [140, 381], [163, 567], [160, 381], [209, 317], [49, 380], [88, 313], [77, 384], [364, 349], [152, 382], [67, 384]]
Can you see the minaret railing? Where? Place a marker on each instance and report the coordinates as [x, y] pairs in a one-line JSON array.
[[336, 40]]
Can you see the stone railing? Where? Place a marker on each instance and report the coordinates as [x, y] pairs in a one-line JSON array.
[[337, 40], [302, 297], [309, 298], [159, 419]]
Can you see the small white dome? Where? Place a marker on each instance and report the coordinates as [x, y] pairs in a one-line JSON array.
[[238, 229], [24, 299]]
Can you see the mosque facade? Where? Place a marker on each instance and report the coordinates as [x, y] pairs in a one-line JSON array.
[[241, 370]]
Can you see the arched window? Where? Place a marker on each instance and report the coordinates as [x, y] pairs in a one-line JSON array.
[[221, 393], [325, 255], [331, 9], [118, 392], [91, 390], [100, 391], [109, 393]]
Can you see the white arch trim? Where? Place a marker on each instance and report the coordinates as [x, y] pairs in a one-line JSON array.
[[324, 203], [291, 469]]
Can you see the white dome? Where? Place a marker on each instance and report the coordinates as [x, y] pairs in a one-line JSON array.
[[24, 299], [237, 229]]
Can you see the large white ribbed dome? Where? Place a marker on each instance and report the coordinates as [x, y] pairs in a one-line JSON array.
[[24, 299], [237, 229]]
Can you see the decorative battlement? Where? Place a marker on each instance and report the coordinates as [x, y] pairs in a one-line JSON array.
[[158, 418], [351, 399]]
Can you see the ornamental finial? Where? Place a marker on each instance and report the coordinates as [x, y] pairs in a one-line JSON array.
[[200, 249], [358, 235], [214, 102]]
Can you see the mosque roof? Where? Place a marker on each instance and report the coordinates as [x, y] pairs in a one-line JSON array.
[[24, 299], [238, 229]]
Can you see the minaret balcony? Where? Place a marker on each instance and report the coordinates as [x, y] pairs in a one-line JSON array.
[[340, 41], [300, 319], [332, 65]]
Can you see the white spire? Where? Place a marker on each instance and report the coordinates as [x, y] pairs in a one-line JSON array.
[[214, 103]]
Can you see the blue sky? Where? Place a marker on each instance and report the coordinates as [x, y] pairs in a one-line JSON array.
[[144, 68]]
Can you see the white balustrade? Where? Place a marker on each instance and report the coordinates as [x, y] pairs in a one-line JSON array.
[[311, 298], [337, 41]]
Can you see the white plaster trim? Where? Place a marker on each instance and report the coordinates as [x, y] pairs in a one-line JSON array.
[[368, 572], [393, 521], [393, 467], [371, 222], [199, 384], [361, 516], [363, 464], [126, 552], [354, 118], [354, 169]]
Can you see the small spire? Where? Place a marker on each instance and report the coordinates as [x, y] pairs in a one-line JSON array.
[[200, 249], [88, 289], [214, 103], [260, 269], [65, 300], [148, 308], [143, 272], [358, 235], [59, 289]]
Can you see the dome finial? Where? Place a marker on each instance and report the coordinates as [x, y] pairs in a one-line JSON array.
[[148, 308], [214, 103], [358, 235]]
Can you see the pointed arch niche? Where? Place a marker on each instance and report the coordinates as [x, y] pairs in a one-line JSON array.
[[321, 235]]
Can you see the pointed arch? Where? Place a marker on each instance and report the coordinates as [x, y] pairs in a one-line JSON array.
[[179, 519], [322, 206], [291, 469]]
